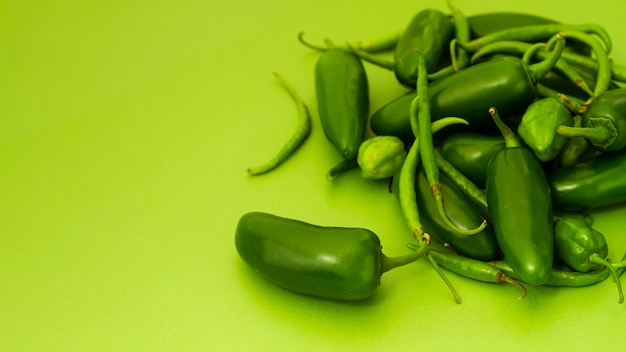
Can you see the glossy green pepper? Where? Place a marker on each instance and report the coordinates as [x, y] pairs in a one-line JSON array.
[[328, 262], [578, 245], [538, 127], [462, 213], [507, 83], [596, 183], [381, 157], [430, 32], [341, 89], [518, 197], [604, 121], [470, 153]]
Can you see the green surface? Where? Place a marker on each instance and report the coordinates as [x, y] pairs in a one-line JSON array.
[[126, 128]]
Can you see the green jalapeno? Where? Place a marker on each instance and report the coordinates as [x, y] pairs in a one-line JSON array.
[[461, 212], [470, 92], [470, 153], [538, 127], [518, 197], [430, 32], [604, 121], [341, 89], [596, 183], [328, 262]]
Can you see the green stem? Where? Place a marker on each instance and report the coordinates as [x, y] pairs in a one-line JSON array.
[[599, 131], [539, 70], [310, 45], [596, 259], [510, 140], [373, 59], [388, 263], [382, 43]]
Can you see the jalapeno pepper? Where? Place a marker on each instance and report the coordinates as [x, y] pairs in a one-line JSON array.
[[470, 92], [538, 127], [518, 197], [430, 32], [470, 153], [341, 89], [328, 262], [596, 183], [604, 121]]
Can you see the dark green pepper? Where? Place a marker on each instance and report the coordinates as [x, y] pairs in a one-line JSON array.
[[507, 83], [538, 127], [341, 89], [578, 245], [595, 183], [462, 213], [328, 262], [470, 153], [604, 121], [518, 197], [430, 32]]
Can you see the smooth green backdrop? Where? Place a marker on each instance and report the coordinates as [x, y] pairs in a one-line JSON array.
[[126, 128]]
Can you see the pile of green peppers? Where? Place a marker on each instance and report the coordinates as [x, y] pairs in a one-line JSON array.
[[539, 139]]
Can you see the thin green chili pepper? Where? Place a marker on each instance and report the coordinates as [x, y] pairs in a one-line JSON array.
[[302, 131], [536, 33], [489, 23], [407, 175], [561, 278], [468, 188], [373, 59], [462, 33], [382, 43], [538, 127], [604, 121], [427, 148], [520, 206], [328, 262], [474, 269], [596, 183], [618, 72]]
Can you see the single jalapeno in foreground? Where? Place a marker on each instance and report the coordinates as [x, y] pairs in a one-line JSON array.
[[596, 183], [470, 153], [538, 127], [329, 262], [520, 206], [430, 32], [341, 89], [604, 121]]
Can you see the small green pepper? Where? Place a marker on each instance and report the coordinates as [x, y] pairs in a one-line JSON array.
[[538, 127], [341, 89], [577, 244], [381, 157], [470, 153], [596, 183], [430, 32], [604, 121], [328, 262], [520, 206]]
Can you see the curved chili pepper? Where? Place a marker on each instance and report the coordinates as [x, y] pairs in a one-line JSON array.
[[329, 262], [470, 92], [430, 32], [561, 278], [538, 127], [470, 153], [604, 121], [520, 206], [596, 183]]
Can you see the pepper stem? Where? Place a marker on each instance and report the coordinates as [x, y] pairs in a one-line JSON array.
[[503, 277], [388, 263], [433, 262], [599, 131], [510, 140], [539, 70], [596, 259]]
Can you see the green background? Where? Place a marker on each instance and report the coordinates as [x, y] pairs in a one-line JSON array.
[[126, 128]]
